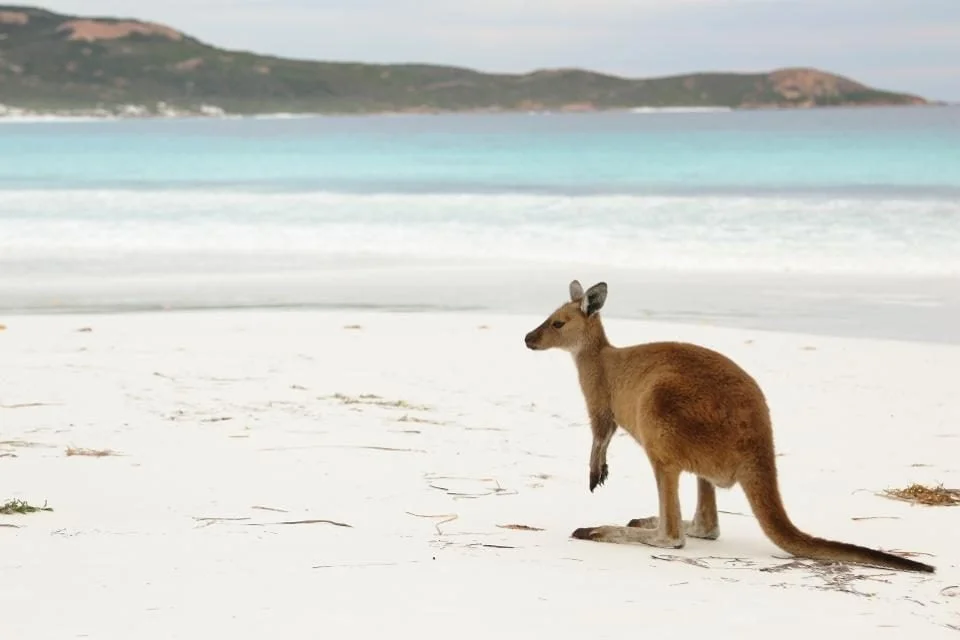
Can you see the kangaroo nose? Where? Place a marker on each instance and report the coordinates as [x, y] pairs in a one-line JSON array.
[[528, 339]]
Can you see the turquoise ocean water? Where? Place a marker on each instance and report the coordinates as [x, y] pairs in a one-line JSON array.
[[422, 211]]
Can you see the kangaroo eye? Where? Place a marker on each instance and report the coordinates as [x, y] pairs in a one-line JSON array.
[[558, 323]]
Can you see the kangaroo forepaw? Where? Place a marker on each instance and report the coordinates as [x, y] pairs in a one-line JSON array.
[[598, 476]]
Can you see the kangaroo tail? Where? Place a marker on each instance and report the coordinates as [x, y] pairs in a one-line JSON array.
[[760, 486]]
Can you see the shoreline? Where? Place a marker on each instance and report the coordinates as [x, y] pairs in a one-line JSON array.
[[83, 115], [668, 325], [917, 309]]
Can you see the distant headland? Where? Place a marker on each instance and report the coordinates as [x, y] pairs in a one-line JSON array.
[[61, 65]]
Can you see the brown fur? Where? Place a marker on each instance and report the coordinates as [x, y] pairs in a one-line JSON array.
[[692, 410]]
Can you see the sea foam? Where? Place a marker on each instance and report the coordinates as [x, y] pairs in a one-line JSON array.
[[687, 233]]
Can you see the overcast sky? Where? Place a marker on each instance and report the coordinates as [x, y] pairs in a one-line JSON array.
[[905, 45]]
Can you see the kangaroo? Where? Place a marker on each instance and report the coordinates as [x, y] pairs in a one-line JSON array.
[[692, 410]]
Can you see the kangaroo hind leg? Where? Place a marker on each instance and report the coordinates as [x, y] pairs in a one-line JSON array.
[[705, 523], [667, 532]]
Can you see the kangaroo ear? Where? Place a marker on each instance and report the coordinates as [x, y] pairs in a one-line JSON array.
[[576, 291], [594, 298]]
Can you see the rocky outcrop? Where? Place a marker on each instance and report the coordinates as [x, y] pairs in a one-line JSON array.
[[93, 30]]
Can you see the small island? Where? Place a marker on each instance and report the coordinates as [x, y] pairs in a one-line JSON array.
[[59, 65]]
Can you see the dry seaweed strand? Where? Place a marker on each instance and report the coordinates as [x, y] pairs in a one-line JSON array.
[[17, 506], [27, 405], [449, 517], [243, 520], [498, 490], [487, 545], [25, 444], [519, 527], [938, 496], [263, 508], [206, 522], [311, 521], [90, 453], [836, 576], [702, 561]]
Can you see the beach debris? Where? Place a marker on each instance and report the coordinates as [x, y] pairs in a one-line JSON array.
[[28, 405], [374, 447], [836, 576], [90, 453], [938, 496], [374, 400], [859, 518], [223, 379], [352, 327], [488, 490], [297, 387], [519, 527], [488, 545], [84, 329], [539, 480], [207, 521], [447, 517], [24, 444], [703, 562], [694, 562], [734, 513], [244, 520], [408, 418], [256, 506], [290, 522], [22, 507]]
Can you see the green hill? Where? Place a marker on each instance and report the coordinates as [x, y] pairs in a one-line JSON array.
[[50, 61]]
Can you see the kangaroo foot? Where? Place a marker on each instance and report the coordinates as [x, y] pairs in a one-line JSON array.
[[693, 528], [628, 535]]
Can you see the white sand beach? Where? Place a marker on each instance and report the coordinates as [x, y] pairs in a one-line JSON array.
[[412, 443]]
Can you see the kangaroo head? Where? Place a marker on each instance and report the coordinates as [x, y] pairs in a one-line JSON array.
[[569, 326]]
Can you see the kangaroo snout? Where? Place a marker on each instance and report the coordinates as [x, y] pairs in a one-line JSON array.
[[531, 339]]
